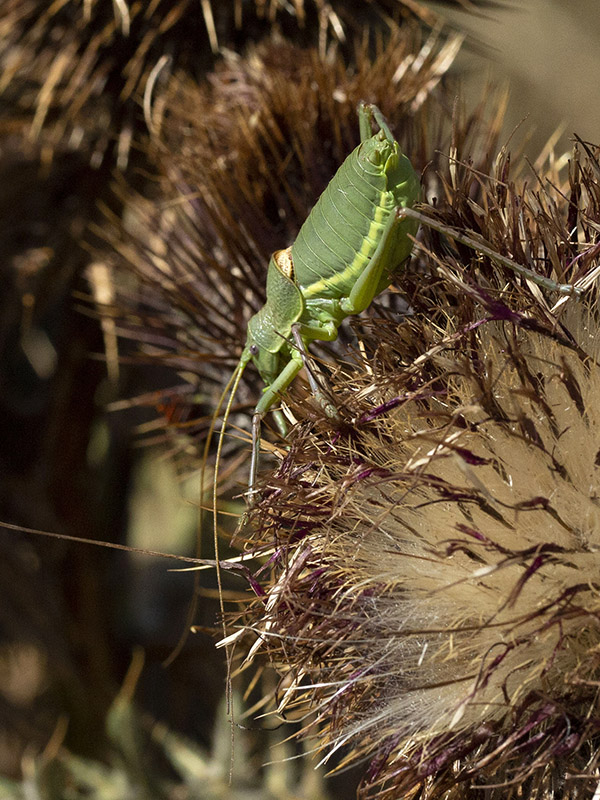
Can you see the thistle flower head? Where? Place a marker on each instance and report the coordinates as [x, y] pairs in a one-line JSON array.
[[434, 596]]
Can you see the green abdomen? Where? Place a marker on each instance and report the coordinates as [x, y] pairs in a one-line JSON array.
[[340, 235]]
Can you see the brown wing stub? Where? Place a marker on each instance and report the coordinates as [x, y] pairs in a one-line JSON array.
[[283, 259]]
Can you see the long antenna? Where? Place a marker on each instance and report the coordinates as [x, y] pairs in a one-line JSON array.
[[193, 606], [235, 380]]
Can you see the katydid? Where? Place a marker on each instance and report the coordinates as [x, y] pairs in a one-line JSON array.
[[345, 254]]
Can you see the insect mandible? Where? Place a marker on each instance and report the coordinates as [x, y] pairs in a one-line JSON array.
[[345, 254]]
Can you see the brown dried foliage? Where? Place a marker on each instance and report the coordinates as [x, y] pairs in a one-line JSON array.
[[74, 72]]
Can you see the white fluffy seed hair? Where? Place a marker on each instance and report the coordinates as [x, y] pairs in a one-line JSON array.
[[440, 605]]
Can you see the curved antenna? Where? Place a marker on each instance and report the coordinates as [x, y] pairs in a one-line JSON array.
[[232, 384]]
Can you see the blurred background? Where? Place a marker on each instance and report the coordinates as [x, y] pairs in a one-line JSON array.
[[547, 52], [86, 446]]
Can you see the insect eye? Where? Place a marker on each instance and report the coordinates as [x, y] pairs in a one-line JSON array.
[[253, 349]]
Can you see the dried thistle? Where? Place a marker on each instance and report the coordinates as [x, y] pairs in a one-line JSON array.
[[433, 595]]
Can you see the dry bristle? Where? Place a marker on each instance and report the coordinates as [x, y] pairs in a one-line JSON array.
[[435, 593], [72, 69], [75, 71]]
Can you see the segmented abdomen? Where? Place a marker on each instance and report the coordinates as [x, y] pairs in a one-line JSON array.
[[342, 231]]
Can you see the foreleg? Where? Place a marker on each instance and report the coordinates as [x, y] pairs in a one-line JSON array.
[[317, 391], [269, 396]]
